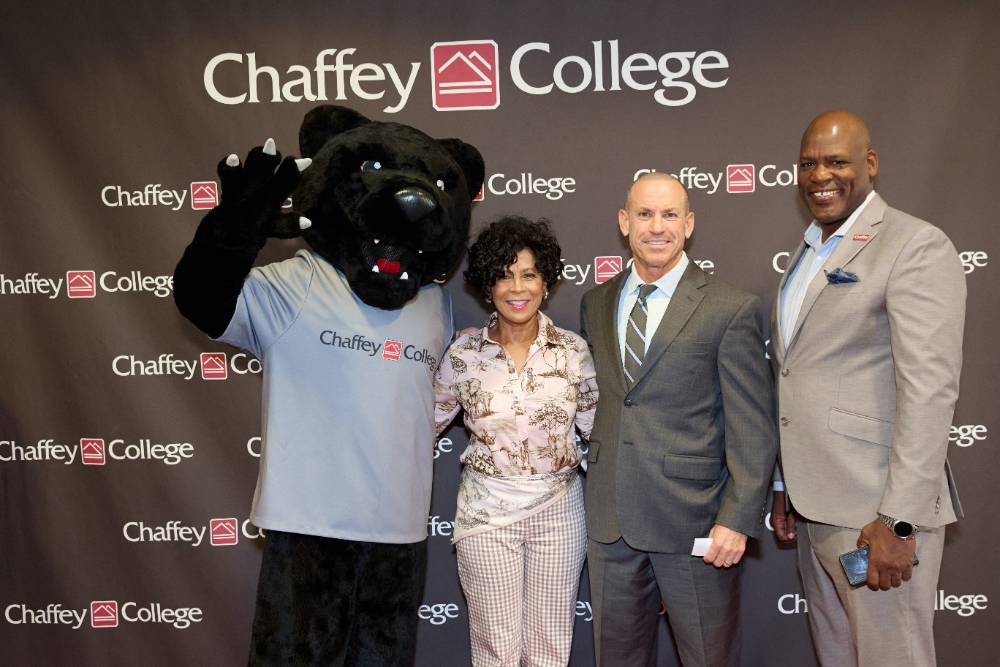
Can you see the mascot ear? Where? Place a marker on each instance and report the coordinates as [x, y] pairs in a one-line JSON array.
[[324, 122], [469, 159]]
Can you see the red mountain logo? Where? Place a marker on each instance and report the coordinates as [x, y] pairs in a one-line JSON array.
[[464, 75], [740, 178], [104, 614], [223, 532], [81, 284], [204, 194], [391, 349], [606, 267], [213, 366], [92, 451]]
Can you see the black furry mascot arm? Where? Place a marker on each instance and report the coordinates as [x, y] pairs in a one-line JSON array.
[[210, 275]]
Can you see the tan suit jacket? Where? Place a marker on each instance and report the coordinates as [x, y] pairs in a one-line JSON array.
[[868, 381]]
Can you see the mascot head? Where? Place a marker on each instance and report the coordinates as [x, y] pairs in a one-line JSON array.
[[390, 206]]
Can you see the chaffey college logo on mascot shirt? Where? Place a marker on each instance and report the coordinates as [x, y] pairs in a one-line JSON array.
[[392, 349], [389, 349]]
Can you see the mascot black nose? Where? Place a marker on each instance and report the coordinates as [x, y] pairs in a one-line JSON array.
[[414, 202]]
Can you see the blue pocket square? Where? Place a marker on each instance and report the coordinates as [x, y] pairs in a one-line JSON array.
[[838, 277]]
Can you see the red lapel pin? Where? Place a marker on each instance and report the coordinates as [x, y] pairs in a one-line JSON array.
[[862, 237]]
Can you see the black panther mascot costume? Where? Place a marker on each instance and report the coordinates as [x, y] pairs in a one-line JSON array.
[[349, 333]]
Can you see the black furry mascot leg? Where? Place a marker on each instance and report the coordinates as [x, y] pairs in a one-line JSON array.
[[323, 601]]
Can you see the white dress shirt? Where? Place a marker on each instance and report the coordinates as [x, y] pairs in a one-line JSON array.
[[656, 302]]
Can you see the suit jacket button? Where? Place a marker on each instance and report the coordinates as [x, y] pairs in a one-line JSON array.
[[784, 372], [629, 403], [785, 421]]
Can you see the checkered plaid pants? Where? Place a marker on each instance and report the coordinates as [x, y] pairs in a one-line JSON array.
[[521, 583]]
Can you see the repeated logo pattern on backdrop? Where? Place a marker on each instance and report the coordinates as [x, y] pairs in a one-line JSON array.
[[86, 284], [101, 614], [465, 75], [129, 442]]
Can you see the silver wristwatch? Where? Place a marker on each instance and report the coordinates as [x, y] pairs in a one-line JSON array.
[[904, 530]]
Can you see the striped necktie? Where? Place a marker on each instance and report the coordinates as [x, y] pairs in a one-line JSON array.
[[635, 334]]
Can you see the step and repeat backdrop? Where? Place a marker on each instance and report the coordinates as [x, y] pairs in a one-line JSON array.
[[129, 442]]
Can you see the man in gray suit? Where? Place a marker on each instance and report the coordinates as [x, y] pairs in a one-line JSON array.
[[868, 350], [683, 441]]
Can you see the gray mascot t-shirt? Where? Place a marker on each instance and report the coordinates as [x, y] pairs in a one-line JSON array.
[[348, 404]]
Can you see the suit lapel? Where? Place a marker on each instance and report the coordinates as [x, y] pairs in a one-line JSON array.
[[683, 303], [609, 322], [858, 236], [776, 338]]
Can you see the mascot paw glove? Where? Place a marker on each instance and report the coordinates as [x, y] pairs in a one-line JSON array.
[[252, 197]]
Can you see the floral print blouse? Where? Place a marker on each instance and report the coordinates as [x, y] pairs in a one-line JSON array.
[[519, 423]]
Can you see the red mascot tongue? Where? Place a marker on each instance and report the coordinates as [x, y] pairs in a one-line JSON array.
[[387, 266]]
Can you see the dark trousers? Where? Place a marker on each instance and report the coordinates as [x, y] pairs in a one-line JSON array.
[[324, 601], [627, 587]]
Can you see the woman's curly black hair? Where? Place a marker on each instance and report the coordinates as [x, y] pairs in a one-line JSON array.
[[497, 246]]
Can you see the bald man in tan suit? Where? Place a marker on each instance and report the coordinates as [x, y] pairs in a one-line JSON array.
[[868, 351]]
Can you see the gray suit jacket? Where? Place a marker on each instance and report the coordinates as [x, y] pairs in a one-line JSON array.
[[868, 382], [693, 442]]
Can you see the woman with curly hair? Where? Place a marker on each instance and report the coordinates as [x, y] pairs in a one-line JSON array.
[[524, 385]]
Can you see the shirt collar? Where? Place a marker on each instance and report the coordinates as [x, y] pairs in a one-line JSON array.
[[548, 334], [667, 282], [814, 234]]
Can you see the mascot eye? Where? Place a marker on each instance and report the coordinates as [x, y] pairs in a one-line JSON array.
[[440, 184], [371, 165]]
